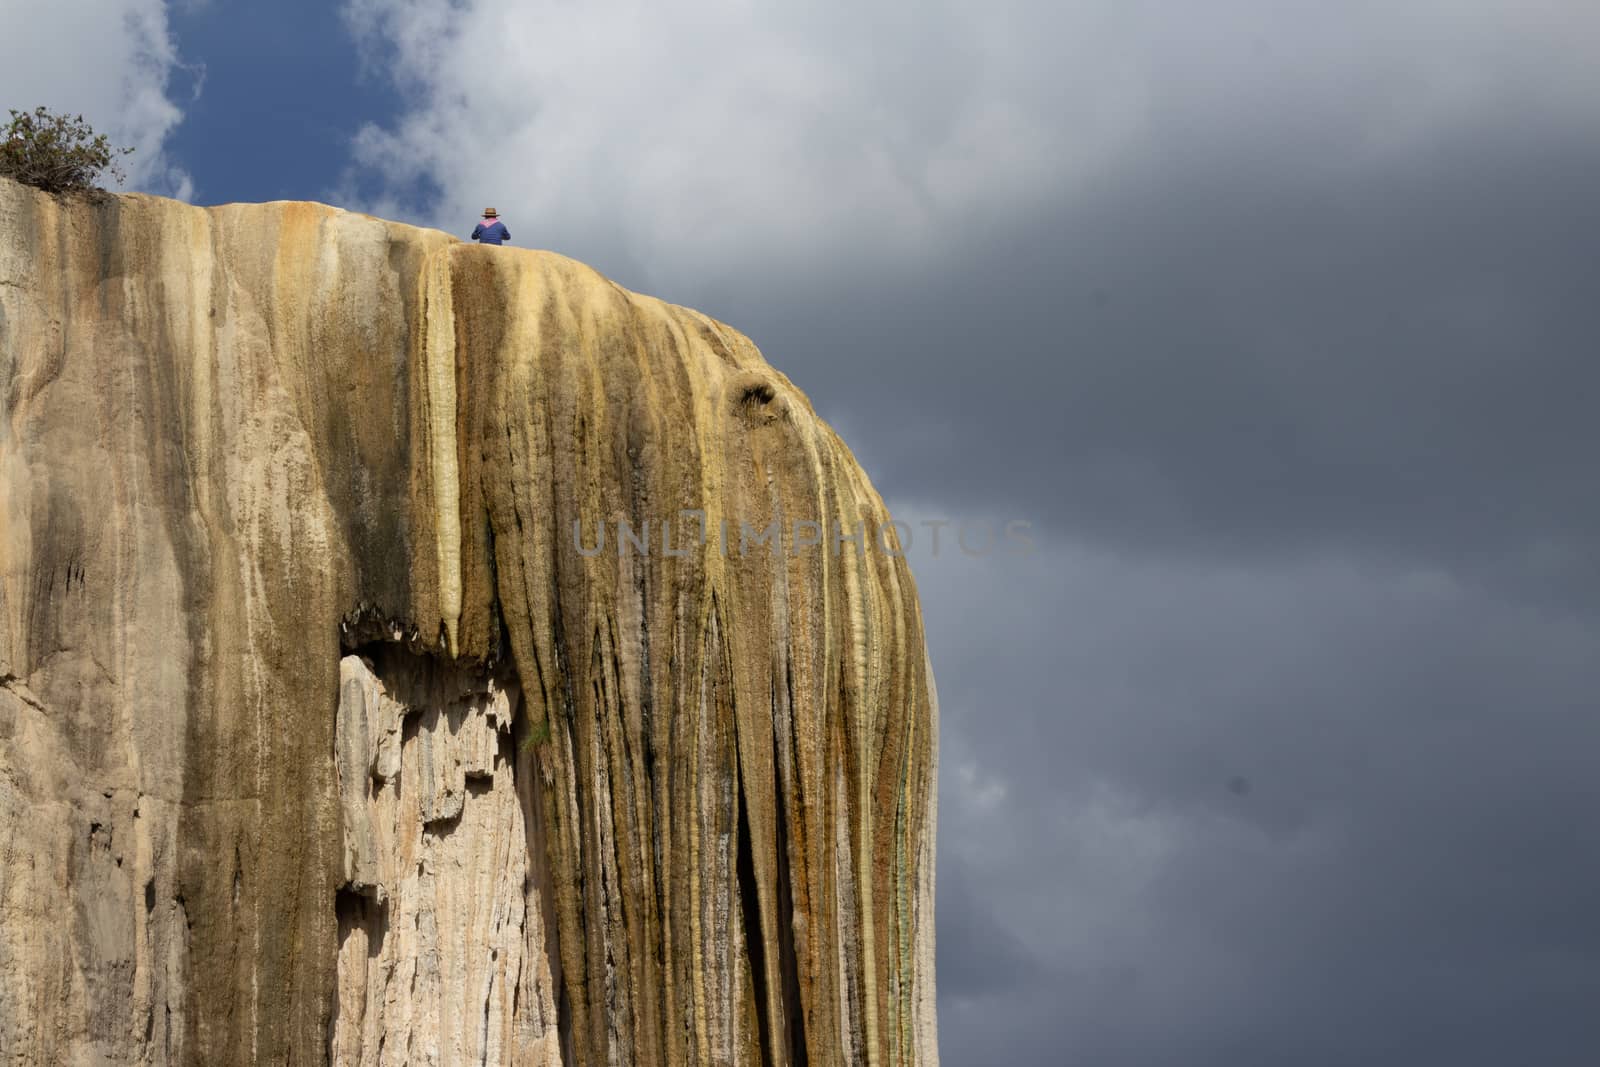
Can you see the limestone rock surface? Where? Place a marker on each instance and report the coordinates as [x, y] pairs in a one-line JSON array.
[[332, 732]]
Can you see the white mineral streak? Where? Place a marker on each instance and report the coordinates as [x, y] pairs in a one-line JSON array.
[[443, 958]]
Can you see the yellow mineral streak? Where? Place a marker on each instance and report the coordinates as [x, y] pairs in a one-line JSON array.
[[229, 436], [440, 398]]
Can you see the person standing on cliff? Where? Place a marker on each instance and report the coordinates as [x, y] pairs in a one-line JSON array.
[[491, 231]]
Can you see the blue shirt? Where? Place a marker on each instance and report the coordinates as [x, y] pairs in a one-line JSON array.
[[493, 233]]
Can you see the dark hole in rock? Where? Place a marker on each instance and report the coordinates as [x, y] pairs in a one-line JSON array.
[[355, 909]]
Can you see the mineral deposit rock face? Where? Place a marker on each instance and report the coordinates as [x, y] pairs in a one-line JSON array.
[[324, 739]]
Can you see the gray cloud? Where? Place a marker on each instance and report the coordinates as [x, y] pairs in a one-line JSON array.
[[1407, 878], [1227, 355]]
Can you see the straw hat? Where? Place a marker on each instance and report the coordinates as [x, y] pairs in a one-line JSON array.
[[490, 213]]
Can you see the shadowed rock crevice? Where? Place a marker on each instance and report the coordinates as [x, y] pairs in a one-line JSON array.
[[754, 942], [788, 970]]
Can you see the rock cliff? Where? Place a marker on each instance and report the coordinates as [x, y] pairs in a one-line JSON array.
[[392, 670]]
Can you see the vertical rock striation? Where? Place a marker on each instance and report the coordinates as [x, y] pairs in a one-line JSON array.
[[330, 733], [443, 956]]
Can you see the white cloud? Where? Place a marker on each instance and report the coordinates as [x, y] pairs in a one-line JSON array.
[[106, 59], [700, 138], [685, 136]]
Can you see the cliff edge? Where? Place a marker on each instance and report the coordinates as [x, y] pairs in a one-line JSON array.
[[332, 732]]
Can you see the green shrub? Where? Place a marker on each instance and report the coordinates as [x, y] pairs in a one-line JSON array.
[[538, 734], [56, 153]]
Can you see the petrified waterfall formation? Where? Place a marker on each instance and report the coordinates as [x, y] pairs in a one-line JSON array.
[[320, 739]]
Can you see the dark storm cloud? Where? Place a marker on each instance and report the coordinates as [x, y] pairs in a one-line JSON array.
[[1252, 348], [1407, 879]]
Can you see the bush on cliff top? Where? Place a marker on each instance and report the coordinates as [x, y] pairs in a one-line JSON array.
[[56, 153]]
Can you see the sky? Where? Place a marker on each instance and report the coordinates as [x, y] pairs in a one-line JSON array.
[[1277, 321]]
